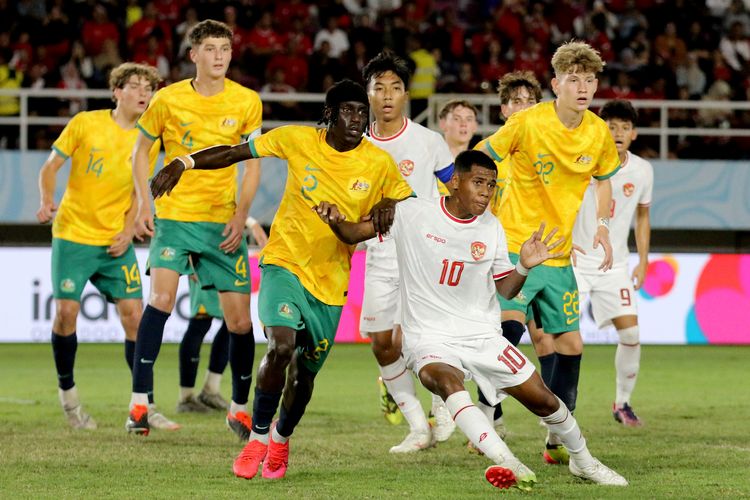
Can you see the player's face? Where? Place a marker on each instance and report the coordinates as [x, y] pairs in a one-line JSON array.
[[474, 189], [135, 95], [520, 99], [387, 94], [460, 125], [623, 132], [350, 123], [212, 57], [575, 90]]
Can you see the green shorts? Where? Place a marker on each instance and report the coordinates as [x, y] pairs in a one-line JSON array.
[[73, 264], [204, 302], [283, 301], [553, 291], [175, 241]]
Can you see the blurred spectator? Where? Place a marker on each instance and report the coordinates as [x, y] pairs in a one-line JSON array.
[[286, 12], [494, 64], [240, 35], [691, 77], [107, 60], [182, 31], [281, 110], [263, 40], [98, 29], [70, 79], [153, 56], [169, 10], [140, 33], [23, 52], [32, 9], [9, 105], [335, 36], [56, 33], [322, 65], [631, 20], [424, 79], [509, 22], [735, 48], [669, 46], [82, 62], [133, 13], [294, 64]]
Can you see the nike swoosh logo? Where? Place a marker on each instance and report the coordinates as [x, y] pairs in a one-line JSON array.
[[262, 428], [570, 321], [240, 283], [245, 377], [540, 155], [147, 361], [185, 124], [131, 290], [195, 360], [96, 150]]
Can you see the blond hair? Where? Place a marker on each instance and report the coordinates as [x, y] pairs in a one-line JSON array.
[[451, 105], [122, 73], [515, 80], [573, 56]]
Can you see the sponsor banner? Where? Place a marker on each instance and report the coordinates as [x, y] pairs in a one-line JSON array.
[[686, 298]]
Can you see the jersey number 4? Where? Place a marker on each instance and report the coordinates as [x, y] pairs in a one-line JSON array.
[[454, 276]]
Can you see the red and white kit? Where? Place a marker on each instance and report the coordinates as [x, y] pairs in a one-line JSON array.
[[611, 293], [450, 313], [419, 153]]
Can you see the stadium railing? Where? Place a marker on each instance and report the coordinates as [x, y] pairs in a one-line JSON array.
[[487, 105]]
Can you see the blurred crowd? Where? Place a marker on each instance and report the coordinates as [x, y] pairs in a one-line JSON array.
[[654, 49]]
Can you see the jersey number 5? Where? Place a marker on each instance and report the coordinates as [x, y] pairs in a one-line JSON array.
[[456, 268]]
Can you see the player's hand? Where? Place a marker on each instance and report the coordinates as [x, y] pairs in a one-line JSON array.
[[602, 238], [167, 178], [259, 234], [144, 222], [575, 249], [329, 213], [120, 243], [639, 274], [233, 233], [46, 211], [537, 248], [382, 215]]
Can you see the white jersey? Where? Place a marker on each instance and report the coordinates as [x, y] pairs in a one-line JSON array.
[[419, 153], [632, 186], [448, 269]]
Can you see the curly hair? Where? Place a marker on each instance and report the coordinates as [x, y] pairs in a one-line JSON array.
[[510, 82], [209, 29], [120, 75], [575, 56]]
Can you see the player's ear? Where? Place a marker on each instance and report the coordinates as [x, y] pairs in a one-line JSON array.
[[453, 183], [633, 134]]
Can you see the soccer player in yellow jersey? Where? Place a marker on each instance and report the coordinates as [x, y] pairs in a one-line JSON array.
[[93, 226], [517, 91], [305, 268], [203, 220], [555, 148]]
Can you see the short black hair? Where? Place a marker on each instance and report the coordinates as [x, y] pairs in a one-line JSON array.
[[619, 109], [386, 61], [208, 29], [467, 159], [343, 91]]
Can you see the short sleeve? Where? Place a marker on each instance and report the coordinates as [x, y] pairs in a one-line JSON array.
[[253, 121], [443, 155], [66, 144], [154, 119], [394, 185], [504, 142], [648, 187], [609, 160], [273, 143], [501, 265]]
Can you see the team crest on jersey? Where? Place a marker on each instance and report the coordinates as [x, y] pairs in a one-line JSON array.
[[520, 298], [229, 122], [167, 253], [359, 187], [67, 285], [477, 250], [628, 189], [285, 310], [584, 159], [406, 167]]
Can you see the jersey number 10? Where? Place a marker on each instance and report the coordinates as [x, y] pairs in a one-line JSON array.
[[456, 268]]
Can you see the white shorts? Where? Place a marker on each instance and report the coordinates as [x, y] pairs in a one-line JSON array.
[[493, 362], [612, 294], [381, 304]]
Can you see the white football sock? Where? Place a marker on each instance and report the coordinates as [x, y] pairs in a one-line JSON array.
[[488, 411], [627, 364], [278, 438], [563, 425], [185, 393], [69, 398], [263, 438], [138, 398], [477, 428], [212, 384], [397, 378], [234, 408], [437, 402]]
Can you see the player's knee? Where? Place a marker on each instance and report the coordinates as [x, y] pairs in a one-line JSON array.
[[66, 316], [239, 325], [383, 348], [280, 353], [162, 301], [630, 336]]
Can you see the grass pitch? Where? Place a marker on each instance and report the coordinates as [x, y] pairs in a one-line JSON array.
[[694, 444]]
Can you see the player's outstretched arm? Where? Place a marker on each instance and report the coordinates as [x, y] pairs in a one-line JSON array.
[[47, 181], [642, 243], [350, 233], [604, 204], [212, 158], [537, 249]]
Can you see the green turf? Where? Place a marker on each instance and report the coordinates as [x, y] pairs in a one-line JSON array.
[[694, 444]]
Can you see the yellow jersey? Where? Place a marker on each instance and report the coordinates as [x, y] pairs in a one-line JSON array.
[[187, 122], [354, 180], [503, 179], [100, 186], [551, 166]]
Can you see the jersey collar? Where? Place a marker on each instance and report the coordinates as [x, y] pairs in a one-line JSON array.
[[451, 217]]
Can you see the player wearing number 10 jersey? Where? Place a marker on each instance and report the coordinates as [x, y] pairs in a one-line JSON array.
[[93, 228], [453, 259]]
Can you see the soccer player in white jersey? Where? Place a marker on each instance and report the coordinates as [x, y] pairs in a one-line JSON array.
[[612, 294], [453, 258], [423, 157]]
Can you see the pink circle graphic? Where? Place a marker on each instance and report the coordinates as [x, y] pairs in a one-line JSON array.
[[722, 299], [660, 278]]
